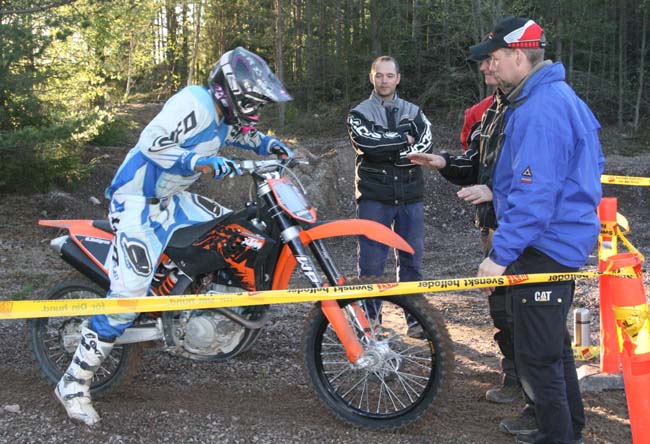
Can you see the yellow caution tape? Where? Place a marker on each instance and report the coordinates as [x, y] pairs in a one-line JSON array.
[[625, 180], [631, 319], [622, 223], [618, 228], [585, 353], [87, 307], [631, 248]]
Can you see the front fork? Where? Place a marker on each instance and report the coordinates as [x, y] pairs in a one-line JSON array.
[[290, 235]]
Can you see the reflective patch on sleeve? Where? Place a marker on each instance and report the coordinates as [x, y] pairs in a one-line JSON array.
[[526, 176]]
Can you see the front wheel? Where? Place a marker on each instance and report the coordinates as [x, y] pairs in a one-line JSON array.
[[407, 362]]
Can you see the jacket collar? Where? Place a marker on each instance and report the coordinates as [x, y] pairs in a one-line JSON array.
[[391, 103], [521, 91]]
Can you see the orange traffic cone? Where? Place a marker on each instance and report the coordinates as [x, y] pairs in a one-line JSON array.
[[629, 304], [610, 356]]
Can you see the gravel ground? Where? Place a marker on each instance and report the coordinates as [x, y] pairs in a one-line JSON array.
[[263, 395]]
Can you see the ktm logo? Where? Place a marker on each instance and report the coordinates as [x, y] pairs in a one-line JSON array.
[[516, 278], [255, 243], [384, 287]]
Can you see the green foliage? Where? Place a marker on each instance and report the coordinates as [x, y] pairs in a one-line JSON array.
[[67, 61], [20, 45], [114, 131], [36, 158]]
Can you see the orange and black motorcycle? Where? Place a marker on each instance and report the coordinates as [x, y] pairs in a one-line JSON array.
[[367, 363]]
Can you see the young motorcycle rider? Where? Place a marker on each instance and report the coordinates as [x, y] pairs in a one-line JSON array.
[[148, 201]]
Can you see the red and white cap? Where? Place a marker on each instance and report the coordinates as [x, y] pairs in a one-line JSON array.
[[511, 32]]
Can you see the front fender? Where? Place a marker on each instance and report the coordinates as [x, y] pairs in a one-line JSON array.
[[348, 227]]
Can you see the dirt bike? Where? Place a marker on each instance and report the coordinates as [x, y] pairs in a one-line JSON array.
[[363, 365]]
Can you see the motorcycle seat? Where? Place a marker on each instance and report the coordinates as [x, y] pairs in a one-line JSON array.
[[103, 224], [186, 236]]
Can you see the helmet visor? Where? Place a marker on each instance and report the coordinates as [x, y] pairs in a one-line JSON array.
[[256, 78]]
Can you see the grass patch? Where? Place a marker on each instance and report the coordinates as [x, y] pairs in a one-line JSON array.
[[24, 293]]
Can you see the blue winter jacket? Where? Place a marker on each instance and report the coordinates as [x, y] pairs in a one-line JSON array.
[[547, 178]]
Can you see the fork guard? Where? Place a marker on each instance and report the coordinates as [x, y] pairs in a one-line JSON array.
[[346, 227]]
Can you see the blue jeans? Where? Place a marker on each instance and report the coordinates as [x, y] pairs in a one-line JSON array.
[[406, 220]]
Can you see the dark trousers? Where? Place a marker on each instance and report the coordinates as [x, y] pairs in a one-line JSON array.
[[504, 336], [542, 348], [407, 220], [501, 320]]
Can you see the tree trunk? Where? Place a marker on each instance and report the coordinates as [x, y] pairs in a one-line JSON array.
[[374, 28], [279, 66], [309, 85], [558, 40], [129, 68], [197, 32], [298, 75], [171, 53], [621, 63], [445, 33], [338, 31], [570, 67], [416, 37], [347, 48], [589, 63], [184, 50], [639, 93], [480, 33], [477, 12]]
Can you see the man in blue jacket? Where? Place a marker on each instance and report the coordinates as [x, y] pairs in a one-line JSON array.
[[546, 187]]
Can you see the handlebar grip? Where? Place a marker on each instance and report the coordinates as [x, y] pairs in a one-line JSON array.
[[205, 169]]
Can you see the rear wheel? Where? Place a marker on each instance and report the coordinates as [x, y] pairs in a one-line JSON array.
[[53, 341], [406, 365]]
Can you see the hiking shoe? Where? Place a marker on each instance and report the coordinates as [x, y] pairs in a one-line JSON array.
[[504, 394], [524, 423], [529, 438]]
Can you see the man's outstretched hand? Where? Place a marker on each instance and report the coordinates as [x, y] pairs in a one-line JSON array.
[[475, 194], [432, 161]]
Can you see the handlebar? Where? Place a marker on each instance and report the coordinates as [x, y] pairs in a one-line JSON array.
[[267, 165]]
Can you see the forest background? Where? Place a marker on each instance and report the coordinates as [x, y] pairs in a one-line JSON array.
[[67, 67]]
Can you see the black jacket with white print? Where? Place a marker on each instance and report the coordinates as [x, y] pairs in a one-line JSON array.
[[378, 131]]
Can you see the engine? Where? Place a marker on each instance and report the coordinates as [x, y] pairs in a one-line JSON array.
[[210, 333]]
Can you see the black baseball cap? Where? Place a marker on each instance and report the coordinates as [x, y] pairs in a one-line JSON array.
[[511, 32], [475, 54]]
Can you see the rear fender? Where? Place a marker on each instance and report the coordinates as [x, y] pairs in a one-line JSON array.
[[348, 227], [79, 227], [86, 237]]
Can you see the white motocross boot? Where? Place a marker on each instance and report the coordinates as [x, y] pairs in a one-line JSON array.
[[73, 390]]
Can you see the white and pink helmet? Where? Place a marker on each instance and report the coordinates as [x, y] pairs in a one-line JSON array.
[[242, 82]]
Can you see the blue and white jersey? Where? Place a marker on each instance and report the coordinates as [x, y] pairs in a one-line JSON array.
[[186, 129]]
